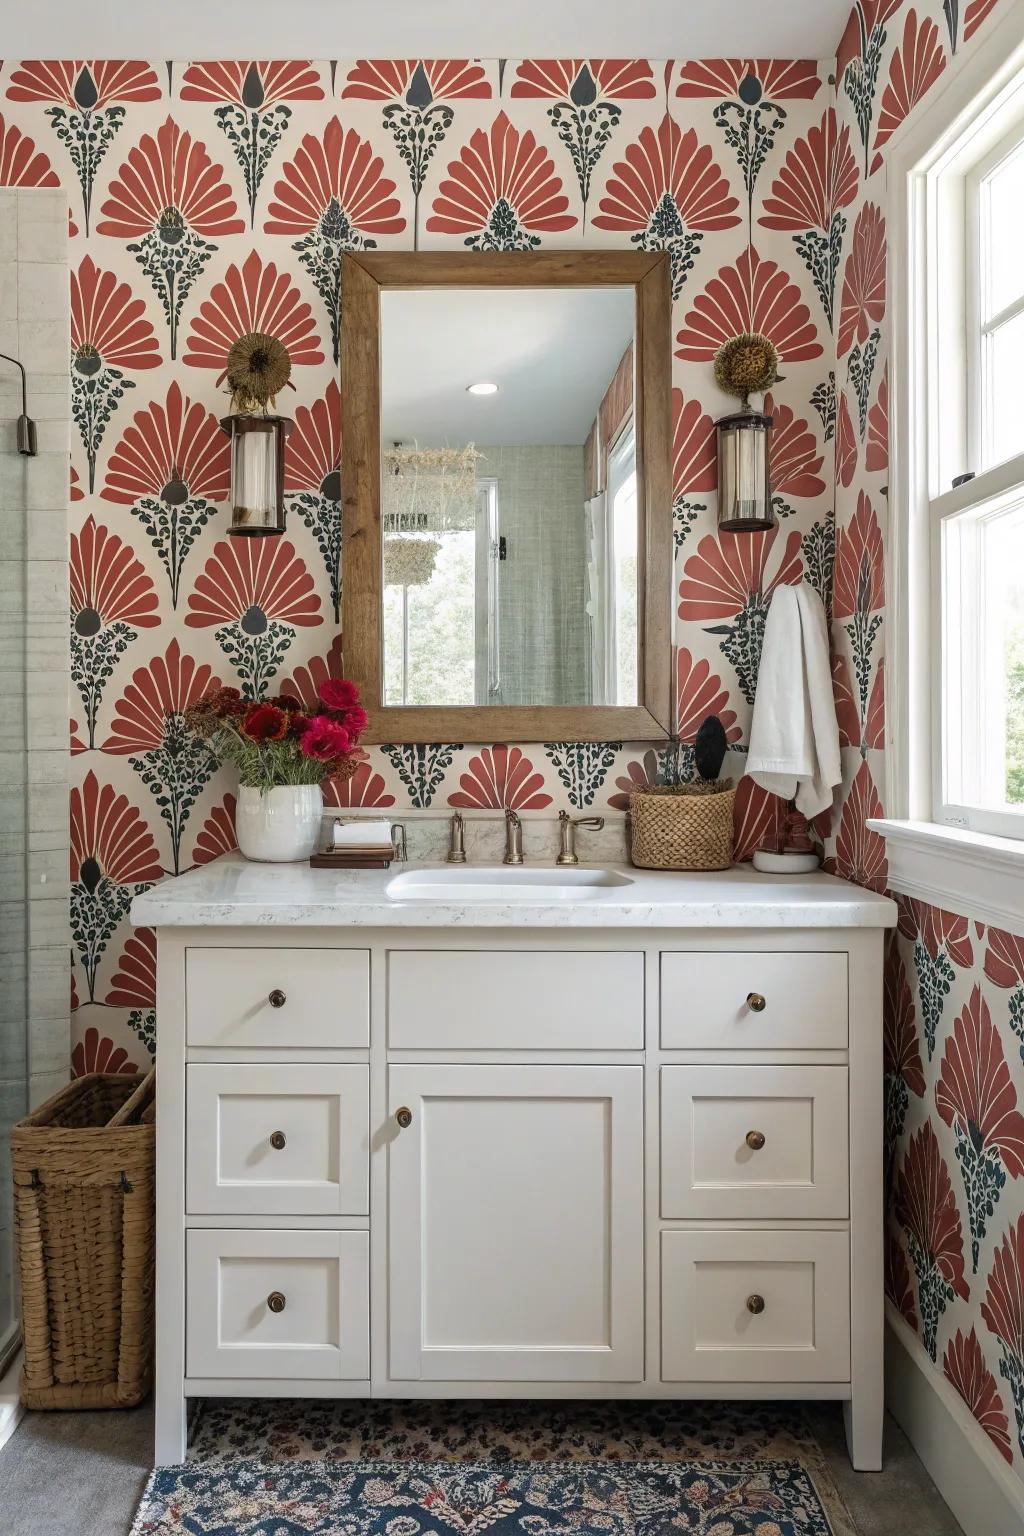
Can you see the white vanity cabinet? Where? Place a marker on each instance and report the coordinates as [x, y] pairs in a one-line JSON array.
[[629, 1149]]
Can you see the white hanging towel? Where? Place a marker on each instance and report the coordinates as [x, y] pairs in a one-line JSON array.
[[794, 734]]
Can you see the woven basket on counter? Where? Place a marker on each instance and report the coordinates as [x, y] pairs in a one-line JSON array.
[[83, 1168], [683, 826]]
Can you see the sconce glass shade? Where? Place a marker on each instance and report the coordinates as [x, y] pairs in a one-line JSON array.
[[257, 473], [744, 480]]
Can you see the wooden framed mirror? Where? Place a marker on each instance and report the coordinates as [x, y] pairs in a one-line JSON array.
[[506, 494]]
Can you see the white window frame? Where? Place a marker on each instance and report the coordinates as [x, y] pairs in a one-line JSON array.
[[934, 436]]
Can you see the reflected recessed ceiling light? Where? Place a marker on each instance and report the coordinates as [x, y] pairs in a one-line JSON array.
[[482, 388]]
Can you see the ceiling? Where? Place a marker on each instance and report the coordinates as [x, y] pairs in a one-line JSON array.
[[655, 29], [551, 351]]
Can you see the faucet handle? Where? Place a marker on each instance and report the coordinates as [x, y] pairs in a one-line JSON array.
[[456, 839]]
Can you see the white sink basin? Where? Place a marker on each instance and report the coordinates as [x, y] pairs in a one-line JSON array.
[[505, 883]]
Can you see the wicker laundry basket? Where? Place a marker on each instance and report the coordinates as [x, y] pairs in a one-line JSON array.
[[84, 1224], [682, 826]]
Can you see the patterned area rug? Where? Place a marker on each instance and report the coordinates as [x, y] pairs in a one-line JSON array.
[[275, 1449], [569, 1498]]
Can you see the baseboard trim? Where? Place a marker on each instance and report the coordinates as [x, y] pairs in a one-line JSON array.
[[982, 1491]]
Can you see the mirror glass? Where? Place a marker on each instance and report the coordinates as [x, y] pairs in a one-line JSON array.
[[509, 496]]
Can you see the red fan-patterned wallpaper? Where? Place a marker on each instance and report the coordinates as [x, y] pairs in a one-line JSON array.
[[211, 198]]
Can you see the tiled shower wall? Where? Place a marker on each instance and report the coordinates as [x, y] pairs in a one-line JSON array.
[[34, 953]]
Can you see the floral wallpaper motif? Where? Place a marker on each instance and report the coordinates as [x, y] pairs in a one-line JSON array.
[[954, 990]]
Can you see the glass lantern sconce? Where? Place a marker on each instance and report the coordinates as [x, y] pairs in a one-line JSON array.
[[744, 479], [257, 473]]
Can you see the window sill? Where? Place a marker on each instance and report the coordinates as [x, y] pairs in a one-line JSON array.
[[971, 873]]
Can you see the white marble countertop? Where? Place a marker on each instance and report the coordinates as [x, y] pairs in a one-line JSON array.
[[233, 893]]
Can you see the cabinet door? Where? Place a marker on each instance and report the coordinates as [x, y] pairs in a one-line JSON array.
[[516, 1223]]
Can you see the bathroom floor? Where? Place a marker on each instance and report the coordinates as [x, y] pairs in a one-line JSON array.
[[65, 1473]]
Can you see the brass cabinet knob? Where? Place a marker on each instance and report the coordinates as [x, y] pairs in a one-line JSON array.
[[277, 998], [755, 1304], [277, 1141], [755, 1140], [404, 1117], [275, 1301], [755, 1002]]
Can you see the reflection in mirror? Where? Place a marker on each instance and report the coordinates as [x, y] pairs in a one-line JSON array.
[[509, 512]]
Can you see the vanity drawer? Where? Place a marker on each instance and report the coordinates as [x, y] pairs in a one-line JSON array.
[[754, 1141], [288, 1304], [515, 1000], [274, 1140], [316, 998], [755, 1306], [704, 1000]]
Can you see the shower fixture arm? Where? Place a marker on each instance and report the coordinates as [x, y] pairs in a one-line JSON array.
[[26, 428]]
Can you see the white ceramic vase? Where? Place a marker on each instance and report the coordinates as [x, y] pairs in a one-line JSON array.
[[278, 826]]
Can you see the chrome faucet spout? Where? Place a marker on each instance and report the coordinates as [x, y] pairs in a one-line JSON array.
[[513, 838]]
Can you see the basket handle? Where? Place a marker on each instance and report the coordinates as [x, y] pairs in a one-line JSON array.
[[135, 1103]]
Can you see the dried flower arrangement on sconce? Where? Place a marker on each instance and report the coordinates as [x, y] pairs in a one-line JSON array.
[[258, 368], [745, 365], [409, 562]]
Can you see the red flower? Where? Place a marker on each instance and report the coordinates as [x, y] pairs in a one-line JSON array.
[[860, 853], [75, 492], [253, 581], [501, 776], [901, 1047], [171, 452], [436, 79], [694, 450], [667, 164], [975, 1086], [1003, 1307], [863, 302], [898, 1285], [168, 685], [166, 182], [756, 818], [108, 584], [915, 67], [721, 576], [363, 788], [134, 983], [217, 835], [846, 444], [265, 722], [860, 565], [926, 1206], [84, 85], [750, 79], [253, 297], [304, 684], [964, 1366], [338, 693], [870, 14], [21, 164], [108, 325], [753, 295], [874, 724], [313, 460], [699, 693], [255, 84], [505, 178], [878, 428], [336, 166], [583, 81], [109, 838], [96, 1053], [793, 453], [638, 775], [324, 739], [1004, 959], [819, 176]]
